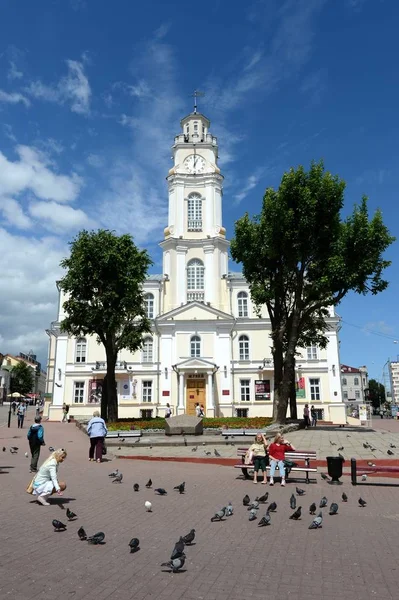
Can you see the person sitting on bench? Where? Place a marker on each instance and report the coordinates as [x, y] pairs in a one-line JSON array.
[[277, 451], [258, 452]]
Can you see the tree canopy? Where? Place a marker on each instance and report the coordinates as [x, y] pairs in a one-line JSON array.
[[22, 378], [104, 297], [377, 395], [300, 258]]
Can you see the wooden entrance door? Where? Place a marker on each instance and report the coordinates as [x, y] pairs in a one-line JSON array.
[[195, 392]]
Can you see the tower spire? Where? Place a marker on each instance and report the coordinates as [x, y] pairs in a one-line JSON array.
[[195, 95]]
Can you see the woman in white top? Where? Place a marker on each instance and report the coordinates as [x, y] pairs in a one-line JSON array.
[[46, 481]]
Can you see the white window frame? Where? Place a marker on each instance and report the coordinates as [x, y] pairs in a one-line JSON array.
[[79, 392], [356, 381], [149, 305], [195, 280], [195, 346], [81, 350], [345, 395], [344, 381], [357, 394], [315, 389], [245, 390], [312, 352], [148, 350], [194, 212], [146, 391], [242, 304], [243, 347]]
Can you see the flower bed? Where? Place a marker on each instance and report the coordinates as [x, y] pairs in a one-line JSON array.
[[216, 423]]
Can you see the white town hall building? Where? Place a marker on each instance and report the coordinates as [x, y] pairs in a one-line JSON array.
[[207, 344]]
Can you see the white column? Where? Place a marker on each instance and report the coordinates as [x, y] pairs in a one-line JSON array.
[[179, 210], [181, 275], [209, 274], [210, 406], [180, 408], [59, 372]]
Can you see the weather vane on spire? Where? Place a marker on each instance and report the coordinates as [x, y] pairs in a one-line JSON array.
[[197, 94]]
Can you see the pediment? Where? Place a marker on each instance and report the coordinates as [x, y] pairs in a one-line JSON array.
[[195, 311], [196, 363]]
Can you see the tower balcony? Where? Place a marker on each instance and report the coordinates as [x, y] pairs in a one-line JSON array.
[[194, 225], [198, 295]]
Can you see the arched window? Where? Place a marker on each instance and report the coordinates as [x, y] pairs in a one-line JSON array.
[[243, 347], [242, 301], [148, 347], [195, 280], [195, 346], [80, 350], [194, 212], [149, 305]]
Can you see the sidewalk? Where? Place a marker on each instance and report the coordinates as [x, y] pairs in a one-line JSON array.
[[353, 557]]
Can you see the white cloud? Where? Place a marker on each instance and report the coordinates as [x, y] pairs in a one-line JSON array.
[[13, 72], [140, 90], [13, 213], [94, 160], [73, 89], [58, 217], [13, 98], [251, 182]]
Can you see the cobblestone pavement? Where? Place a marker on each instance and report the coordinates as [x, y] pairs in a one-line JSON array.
[[353, 557]]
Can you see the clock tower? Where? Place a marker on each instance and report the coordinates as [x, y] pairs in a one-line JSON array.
[[195, 250]]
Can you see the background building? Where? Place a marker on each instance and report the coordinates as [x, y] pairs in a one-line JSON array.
[[355, 384], [8, 361], [207, 344], [394, 380]]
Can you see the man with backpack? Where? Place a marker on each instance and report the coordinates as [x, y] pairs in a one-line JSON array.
[[36, 440]]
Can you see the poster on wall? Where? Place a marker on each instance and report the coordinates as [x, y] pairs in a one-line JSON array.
[[262, 389], [300, 388], [95, 391], [363, 412], [125, 389]]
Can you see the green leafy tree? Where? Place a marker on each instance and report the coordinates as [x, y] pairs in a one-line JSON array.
[[22, 378], [300, 257], [104, 297], [376, 393]]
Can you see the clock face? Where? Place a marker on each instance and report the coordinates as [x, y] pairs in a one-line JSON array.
[[194, 164]]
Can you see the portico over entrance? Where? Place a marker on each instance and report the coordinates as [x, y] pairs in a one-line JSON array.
[[195, 384]]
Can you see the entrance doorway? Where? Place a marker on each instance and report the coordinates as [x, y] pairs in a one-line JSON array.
[[195, 392]]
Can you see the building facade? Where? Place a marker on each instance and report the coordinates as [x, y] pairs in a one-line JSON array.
[[355, 384], [394, 380], [208, 344], [8, 361]]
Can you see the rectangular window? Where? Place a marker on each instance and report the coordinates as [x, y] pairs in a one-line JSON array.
[[78, 392], [345, 395], [146, 413], [194, 214], [357, 394], [147, 391], [242, 412], [245, 390], [314, 389], [312, 352]]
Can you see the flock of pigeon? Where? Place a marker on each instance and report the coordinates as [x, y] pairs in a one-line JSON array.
[[367, 446]]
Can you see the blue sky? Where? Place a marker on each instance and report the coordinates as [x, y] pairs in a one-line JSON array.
[[91, 94]]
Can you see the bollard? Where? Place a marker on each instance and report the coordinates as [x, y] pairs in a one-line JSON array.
[[353, 471]]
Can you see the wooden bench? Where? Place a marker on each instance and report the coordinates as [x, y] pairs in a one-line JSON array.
[[365, 470], [123, 434], [304, 456]]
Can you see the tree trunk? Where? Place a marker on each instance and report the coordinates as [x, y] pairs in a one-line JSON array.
[[110, 385], [279, 404], [104, 400], [293, 406]]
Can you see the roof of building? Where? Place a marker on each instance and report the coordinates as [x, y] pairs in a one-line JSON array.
[[348, 369]]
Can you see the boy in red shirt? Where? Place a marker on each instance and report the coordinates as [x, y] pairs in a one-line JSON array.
[[277, 451]]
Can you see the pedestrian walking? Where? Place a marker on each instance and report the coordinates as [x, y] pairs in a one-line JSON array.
[[197, 410], [14, 407], [97, 431], [21, 412], [65, 412], [36, 441], [313, 414], [168, 411], [306, 416]]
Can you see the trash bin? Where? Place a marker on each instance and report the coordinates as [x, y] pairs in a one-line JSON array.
[[334, 466]]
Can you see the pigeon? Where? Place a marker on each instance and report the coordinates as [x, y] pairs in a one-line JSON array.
[[82, 534], [137, 441], [312, 509], [300, 492], [371, 464], [272, 507], [390, 452], [317, 522], [246, 500], [122, 440], [392, 446], [114, 473], [293, 502], [161, 491], [266, 520], [340, 455], [252, 514], [332, 443], [219, 515], [216, 453], [365, 445], [323, 502], [194, 449], [58, 526], [51, 449], [136, 487], [97, 538], [189, 538], [229, 509], [178, 550], [324, 476], [344, 497], [340, 449], [134, 545], [263, 498], [176, 564], [148, 506], [180, 487], [297, 514], [4, 448], [373, 449], [333, 509], [348, 435], [148, 484], [185, 441], [14, 448], [362, 502], [254, 504], [16, 451], [364, 477], [118, 478], [208, 453], [70, 515], [26, 454]]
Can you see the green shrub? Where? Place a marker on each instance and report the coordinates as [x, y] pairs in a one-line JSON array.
[[215, 423]]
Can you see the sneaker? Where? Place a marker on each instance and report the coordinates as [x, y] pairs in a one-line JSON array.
[[271, 482], [283, 482]]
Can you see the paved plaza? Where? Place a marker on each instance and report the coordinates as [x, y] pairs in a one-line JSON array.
[[354, 555]]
